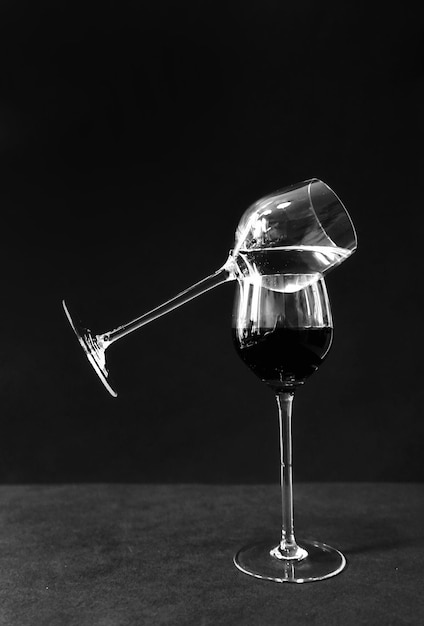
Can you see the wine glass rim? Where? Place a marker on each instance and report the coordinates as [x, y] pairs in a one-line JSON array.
[[342, 204]]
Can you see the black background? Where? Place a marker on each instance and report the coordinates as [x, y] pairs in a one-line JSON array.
[[132, 137]]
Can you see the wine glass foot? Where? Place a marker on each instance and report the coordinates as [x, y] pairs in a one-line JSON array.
[[321, 562], [94, 352]]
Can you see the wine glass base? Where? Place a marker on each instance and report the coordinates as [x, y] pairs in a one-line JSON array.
[[92, 350], [322, 562]]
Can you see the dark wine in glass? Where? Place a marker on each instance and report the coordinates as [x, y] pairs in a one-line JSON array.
[[282, 330], [281, 356]]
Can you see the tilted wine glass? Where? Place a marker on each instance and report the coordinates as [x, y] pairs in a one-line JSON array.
[[306, 221], [283, 335]]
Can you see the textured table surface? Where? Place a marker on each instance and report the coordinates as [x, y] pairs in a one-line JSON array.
[[112, 554]]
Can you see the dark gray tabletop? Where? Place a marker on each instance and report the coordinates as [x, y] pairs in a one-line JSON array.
[[112, 554]]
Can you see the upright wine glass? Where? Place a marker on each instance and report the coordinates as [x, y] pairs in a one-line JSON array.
[[282, 330]]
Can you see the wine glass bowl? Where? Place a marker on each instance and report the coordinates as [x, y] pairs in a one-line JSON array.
[[282, 331], [283, 335], [307, 221]]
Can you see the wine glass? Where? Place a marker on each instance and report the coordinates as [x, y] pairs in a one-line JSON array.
[[283, 335], [307, 221]]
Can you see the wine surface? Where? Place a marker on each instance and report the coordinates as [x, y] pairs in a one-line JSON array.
[[283, 357]]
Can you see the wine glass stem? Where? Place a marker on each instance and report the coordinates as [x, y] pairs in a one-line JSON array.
[[288, 547], [225, 273]]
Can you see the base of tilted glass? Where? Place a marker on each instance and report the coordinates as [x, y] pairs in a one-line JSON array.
[[321, 562], [94, 352]]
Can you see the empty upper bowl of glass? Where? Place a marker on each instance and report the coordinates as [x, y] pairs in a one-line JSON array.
[[300, 231]]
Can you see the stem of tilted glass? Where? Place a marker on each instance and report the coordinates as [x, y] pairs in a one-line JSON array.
[[288, 548], [225, 273]]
